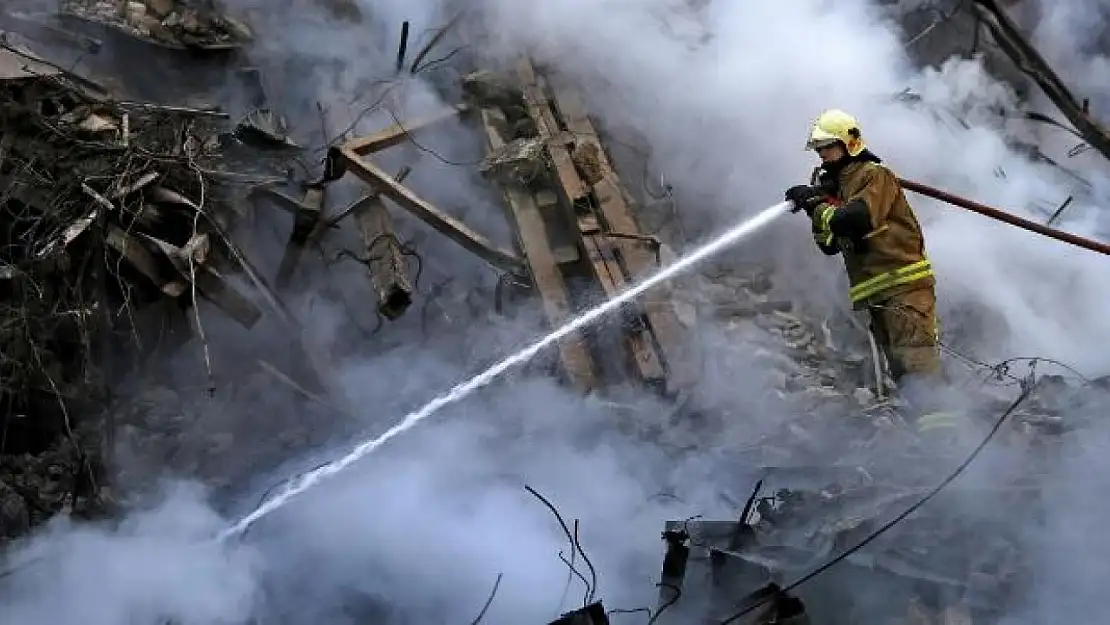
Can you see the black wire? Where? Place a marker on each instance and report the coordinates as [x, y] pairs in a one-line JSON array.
[[489, 601], [652, 616], [437, 62], [436, 38], [390, 83], [663, 608], [427, 150], [574, 571], [1027, 387], [592, 588], [1034, 360], [1000, 369], [628, 611], [554, 511]]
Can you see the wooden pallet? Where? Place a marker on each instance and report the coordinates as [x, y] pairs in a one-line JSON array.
[[526, 212], [616, 250]]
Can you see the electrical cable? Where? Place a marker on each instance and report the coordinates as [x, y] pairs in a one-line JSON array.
[[1027, 388]]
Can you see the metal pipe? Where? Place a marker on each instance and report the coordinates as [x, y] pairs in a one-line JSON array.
[[1003, 216], [403, 48]]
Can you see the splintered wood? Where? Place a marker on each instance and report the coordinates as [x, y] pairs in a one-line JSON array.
[[572, 220], [443, 223], [307, 220], [593, 199], [384, 256], [533, 239]]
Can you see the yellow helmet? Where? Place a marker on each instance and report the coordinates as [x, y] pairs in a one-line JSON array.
[[836, 125]]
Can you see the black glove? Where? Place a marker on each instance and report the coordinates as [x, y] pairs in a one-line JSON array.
[[805, 197]]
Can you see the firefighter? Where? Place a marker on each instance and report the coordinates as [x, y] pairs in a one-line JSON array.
[[858, 210]]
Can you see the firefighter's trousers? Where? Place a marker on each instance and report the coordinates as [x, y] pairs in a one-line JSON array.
[[905, 328]]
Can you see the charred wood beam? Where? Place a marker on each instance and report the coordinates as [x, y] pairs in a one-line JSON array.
[[452, 228], [252, 273], [399, 133], [637, 258], [1026, 57], [142, 260], [577, 206], [190, 265], [384, 256], [531, 232], [215, 288], [307, 220]]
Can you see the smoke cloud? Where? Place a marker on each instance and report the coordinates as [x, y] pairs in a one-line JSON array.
[[722, 96]]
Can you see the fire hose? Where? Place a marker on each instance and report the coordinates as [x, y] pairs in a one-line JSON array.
[[1005, 217]]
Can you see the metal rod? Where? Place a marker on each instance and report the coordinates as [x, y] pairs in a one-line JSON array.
[[403, 49], [1003, 216]]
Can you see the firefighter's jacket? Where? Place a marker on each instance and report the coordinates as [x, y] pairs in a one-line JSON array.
[[868, 220]]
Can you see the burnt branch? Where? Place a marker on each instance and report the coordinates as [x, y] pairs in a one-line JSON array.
[[1027, 59]]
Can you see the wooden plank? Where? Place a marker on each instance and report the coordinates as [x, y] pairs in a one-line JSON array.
[[141, 259], [443, 223], [398, 133], [384, 257], [607, 272], [216, 289], [638, 259], [209, 282], [534, 242], [548, 128], [605, 267], [307, 219]]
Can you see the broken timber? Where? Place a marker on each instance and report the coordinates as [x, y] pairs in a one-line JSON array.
[[191, 264], [1027, 59], [591, 199], [384, 257], [308, 219], [534, 241], [568, 209], [349, 157]]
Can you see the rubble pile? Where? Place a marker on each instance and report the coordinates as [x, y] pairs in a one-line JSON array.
[[35, 487], [173, 23], [968, 552], [841, 462], [109, 209]]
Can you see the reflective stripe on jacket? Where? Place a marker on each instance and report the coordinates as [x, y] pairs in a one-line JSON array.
[[891, 258], [883, 282]]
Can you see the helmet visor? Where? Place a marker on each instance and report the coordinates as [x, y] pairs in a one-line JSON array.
[[821, 143]]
